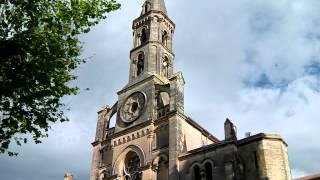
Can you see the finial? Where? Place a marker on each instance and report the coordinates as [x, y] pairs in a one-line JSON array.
[[155, 5]]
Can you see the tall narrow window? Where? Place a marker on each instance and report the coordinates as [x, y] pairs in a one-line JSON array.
[[208, 167], [256, 160], [144, 36], [165, 38], [140, 64], [196, 173], [165, 66], [163, 102], [146, 7], [102, 155]]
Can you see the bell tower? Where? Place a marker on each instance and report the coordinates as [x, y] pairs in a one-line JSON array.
[[138, 147], [152, 42], [147, 94]]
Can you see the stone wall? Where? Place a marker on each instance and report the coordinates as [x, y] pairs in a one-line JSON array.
[[220, 156], [266, 156], [258, 157]]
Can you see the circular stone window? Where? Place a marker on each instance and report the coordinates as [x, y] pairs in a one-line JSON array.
[[132, 107]]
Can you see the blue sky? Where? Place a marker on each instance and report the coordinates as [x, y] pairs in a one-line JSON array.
[[255, 62]]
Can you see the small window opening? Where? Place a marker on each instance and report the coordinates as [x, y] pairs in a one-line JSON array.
[[163, 101], [165, 38], [165, 66], [144, 37], [208, 168], [140, 64], [196, 172], [256, 160], [134, 107], [146, 7]]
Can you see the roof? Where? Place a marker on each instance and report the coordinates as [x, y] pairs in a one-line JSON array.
[[240, 142], [311, 177]]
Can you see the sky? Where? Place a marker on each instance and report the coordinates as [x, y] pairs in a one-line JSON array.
[[255, 62]]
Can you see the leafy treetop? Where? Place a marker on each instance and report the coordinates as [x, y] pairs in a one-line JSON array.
[[39, 49]]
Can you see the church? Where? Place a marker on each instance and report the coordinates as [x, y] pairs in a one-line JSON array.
[[153, 139]]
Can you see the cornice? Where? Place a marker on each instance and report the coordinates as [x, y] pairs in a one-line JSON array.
[[150, 42], [95, 143], [149, 13], [131, 129], [238, 143], [140, 81], [259, 137]]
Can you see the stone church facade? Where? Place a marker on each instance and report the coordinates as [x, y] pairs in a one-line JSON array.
[[154, 140]]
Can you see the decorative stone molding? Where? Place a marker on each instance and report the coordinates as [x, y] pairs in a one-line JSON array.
[[131, 137]]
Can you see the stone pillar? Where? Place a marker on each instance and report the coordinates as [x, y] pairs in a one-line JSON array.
[[95, 161], [103, 117], [174, 149], [177, 93]]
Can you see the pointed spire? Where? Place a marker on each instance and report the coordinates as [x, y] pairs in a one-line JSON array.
[[156, 5]]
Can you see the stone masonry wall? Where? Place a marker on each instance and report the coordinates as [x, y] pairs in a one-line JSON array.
[[275, 160]]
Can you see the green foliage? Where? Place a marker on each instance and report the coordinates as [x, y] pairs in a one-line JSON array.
[[39, 49]]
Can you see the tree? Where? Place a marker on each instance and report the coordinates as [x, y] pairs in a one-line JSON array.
[[39, 49]]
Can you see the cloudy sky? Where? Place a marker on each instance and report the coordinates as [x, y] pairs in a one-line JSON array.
[[256, 62]]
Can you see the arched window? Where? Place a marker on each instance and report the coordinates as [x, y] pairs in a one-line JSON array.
[[131, 167], [165, 66], [196, 173], [147, 7], [144, 36], [208, 168], [140, 64], [163, 102], [164, 38]]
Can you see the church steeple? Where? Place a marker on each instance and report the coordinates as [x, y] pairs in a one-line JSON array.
[[154, 139], [154, 5], [152, 42]]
